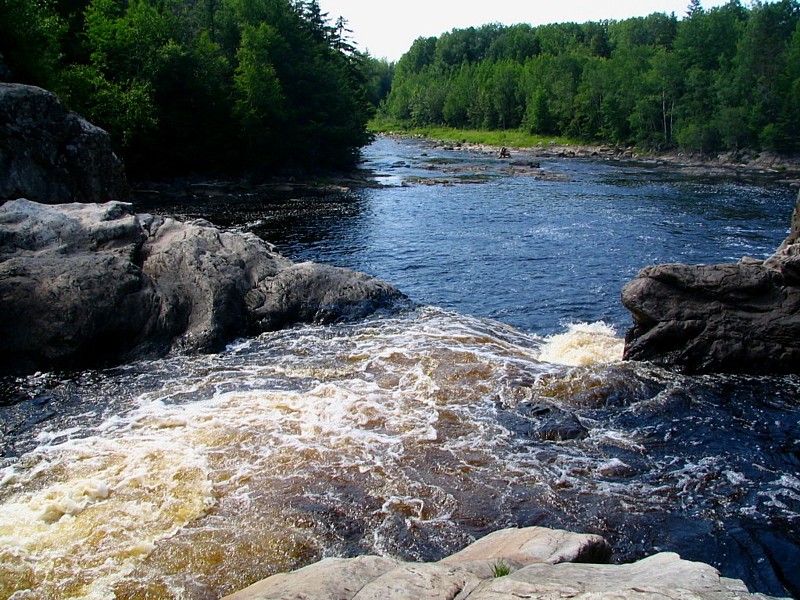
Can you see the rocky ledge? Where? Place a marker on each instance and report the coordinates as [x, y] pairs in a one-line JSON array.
[[86, 285], [49, 154], [513, 563], [741, 318]]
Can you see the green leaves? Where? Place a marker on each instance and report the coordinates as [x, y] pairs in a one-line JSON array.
[[30, 40], [260, 102], [125, 109]]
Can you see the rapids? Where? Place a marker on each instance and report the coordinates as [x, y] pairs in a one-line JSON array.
[[409, 434]]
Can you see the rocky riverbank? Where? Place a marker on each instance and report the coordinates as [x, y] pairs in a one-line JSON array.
[[86, 285], [525, 162], [744, 164], [534, 562], [85, 282]]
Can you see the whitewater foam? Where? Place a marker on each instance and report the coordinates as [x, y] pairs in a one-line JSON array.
[[92, 509], [583, 344], [406, 436]]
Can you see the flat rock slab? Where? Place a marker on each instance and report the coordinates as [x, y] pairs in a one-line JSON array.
[[333, 577], [663, 575], [521, 547], [470, 575]]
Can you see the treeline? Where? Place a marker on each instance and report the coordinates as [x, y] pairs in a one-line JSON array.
[[724, 78], [200, 85]]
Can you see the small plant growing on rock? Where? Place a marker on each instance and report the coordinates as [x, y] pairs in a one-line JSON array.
[[500, 569]]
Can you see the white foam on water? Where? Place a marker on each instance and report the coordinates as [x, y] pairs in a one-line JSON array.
[[583, 344], [735, 477], [48, 437], [85, 510], [92, 509], [621, 439], [783, 494], [250, 457]]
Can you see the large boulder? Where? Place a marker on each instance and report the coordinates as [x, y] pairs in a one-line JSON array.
[[520, 547], [85, 285], [741, 317], [51, 155], [514, 563]]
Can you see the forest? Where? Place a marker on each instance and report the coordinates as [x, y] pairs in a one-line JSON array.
[[726, 78], [257, 86], [200, 85]]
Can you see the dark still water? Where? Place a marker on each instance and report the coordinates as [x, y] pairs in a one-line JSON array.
[[500, 401]]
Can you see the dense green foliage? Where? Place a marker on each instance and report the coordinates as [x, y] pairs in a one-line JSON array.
[[199, 85], [724, 78]]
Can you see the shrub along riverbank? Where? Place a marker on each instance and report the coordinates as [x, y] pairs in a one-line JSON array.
[[516, 138]]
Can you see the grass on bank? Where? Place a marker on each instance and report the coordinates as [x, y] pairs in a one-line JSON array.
[[509, 137]]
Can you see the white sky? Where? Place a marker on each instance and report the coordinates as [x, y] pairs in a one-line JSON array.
[[387, 29]]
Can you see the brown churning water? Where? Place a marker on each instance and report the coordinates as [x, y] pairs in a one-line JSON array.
[[283, 449]]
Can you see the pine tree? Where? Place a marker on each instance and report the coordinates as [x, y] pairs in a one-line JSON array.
[[694, 8]]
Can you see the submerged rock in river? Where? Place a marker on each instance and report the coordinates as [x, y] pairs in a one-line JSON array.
[[85, 285], [741, 317], [534, 562]]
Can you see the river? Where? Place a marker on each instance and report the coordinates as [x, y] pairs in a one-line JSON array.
[[500, 400]]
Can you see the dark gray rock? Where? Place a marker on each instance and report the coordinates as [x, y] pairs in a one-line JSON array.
[[742, 317], [86, 285], [309, 292], [51, 155], [561, 427], [543, 421]]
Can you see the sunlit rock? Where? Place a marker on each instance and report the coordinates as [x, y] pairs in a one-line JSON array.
[[512, 563], [520, 547]]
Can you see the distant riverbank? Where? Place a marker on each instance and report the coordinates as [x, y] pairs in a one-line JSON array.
[[743, 163], [521, 157]]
